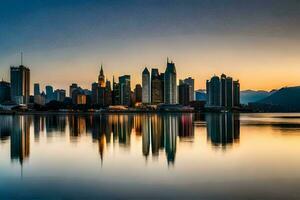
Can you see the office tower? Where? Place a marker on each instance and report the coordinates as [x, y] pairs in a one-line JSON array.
[[223, 90], [138, 93], [184, 93], [191, 82], [108, 94], [213, 91], [125, 90], [36, 89], [156, 87], [170, 87], [40, 99], [81, 99], [59, 95], [229, 92], [49, 93], [4, 92], [236, 93], [95, 87], [116, 93], [101, 78], [20, 84], [146, 96], [72, 88]]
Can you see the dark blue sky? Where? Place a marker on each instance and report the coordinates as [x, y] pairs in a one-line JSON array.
[[66, 36]]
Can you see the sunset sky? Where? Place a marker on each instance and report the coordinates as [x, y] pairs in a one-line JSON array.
[[255, 41]]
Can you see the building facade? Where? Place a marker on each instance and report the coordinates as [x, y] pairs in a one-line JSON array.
[[157, 87], [146, 91], [20, 84], [4, 92], [170, 86]]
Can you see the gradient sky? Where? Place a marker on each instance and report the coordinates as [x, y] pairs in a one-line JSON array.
[[65, 41]]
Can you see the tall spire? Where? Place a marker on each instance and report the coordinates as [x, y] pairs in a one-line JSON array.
[[101, 70]]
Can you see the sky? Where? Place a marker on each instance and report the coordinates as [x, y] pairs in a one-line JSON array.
[[65, 41]]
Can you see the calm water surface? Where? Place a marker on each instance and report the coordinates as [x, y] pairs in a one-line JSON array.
[[212, 156]]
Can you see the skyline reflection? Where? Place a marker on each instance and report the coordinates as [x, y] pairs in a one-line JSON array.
[[158, 132]]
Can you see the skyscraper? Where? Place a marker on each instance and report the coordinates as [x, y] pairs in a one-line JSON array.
[[146, 90], [213, 91], [184, 93], [4, 91], [73, 87], [20, 84], [36, 89], [191, 83], [125, 90], [223, 92], [138, 93], [170, 87], [49, 93], [236, 93], [156, 87], [101, 78]]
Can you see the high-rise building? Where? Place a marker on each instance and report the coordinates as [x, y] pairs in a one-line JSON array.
[[146, 90], [116, 93], [95, 87], [223, 92], [170, 86], [20, 84], [156, 87], [191, 83], [183, 93], [4, 92], [236, 93], [36, 89], [138, 93], [229, 92], [125, 90], [108, 94], [60, 95], [213, 91], [73, 87], [49, 93], [101, 78]]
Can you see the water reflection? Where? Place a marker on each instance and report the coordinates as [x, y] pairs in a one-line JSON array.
[[158, 133], [223, 129]]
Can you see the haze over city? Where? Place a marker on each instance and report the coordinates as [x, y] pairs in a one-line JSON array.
[[65, 42]]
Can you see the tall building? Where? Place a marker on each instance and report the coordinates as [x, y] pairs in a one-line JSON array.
[[223, 92], [73, 87], [49, 93], [236, 93], [116, 93], [146, 92], [213, 91], [36, 89], [229, 92], [101, 78], [156, 87], [183, 93], [138, 93], [20, 84], [125, 90], [59, 95], [170, 86], [191, 83], [4, 92]]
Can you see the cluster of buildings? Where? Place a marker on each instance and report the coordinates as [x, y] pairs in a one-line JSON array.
[[222, 92], [157, 89]]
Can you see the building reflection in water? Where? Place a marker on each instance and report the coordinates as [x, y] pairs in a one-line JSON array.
[[159, 132], [20, 138], [223, 129]]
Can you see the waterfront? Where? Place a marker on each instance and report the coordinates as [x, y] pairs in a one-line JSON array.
[[214, 156]]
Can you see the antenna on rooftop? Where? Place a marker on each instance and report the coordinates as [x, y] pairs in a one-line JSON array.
[[21, 58]]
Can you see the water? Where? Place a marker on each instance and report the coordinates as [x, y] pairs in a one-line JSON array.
[[212, 156]]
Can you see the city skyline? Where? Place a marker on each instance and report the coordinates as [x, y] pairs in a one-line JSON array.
[[206, 37]]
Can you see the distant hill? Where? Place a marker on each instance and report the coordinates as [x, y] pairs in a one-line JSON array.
[[287, 99], [249, 96]]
